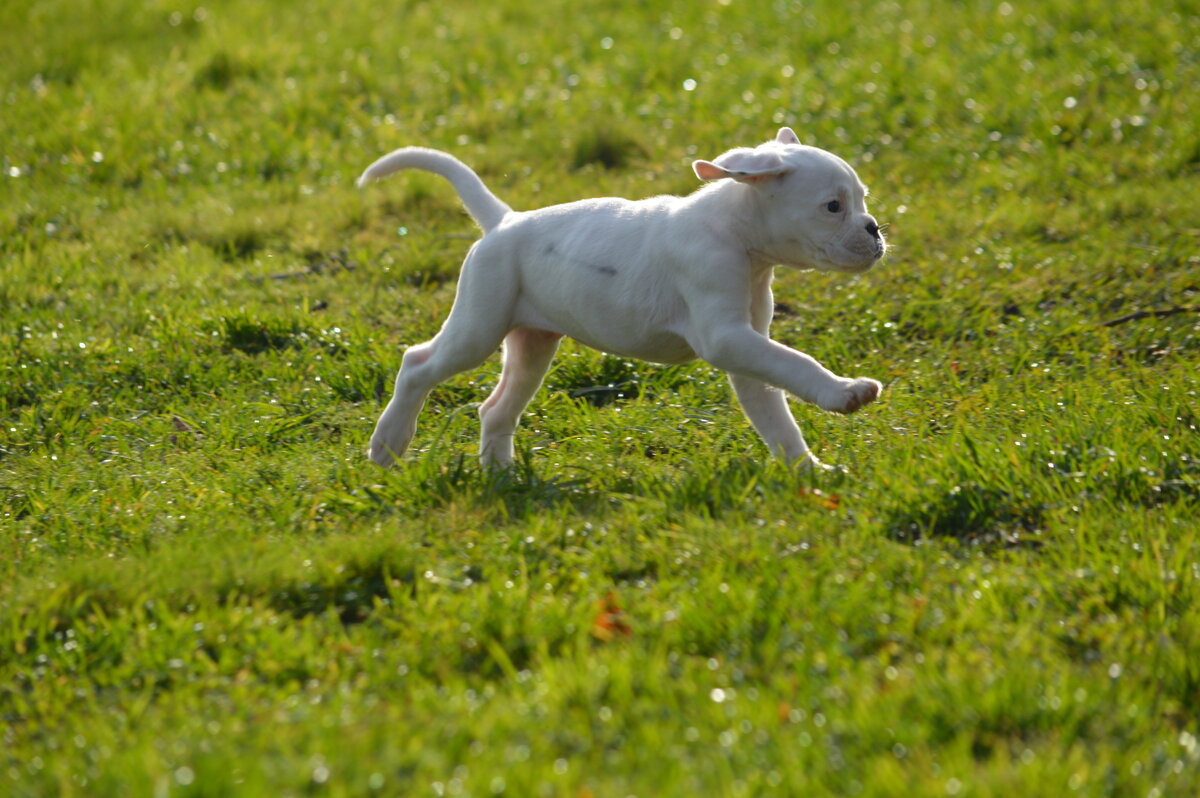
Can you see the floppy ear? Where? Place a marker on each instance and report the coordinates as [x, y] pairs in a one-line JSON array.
[[743, 164], [787, 136]]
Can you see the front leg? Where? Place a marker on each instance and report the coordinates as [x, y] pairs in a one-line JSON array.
[[740, 350], [767, 409]]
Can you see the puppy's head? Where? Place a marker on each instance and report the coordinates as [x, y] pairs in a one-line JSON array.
[[811, 206]]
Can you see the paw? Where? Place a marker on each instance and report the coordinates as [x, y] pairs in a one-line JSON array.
[[391, 437], [380, 454], [496, 452], [384, 451], [809, 462], [851, 395]]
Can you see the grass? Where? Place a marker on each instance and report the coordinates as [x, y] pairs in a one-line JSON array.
[[205, 589]]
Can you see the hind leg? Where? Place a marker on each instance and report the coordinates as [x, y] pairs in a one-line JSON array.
[[477, 324], [527, 356]]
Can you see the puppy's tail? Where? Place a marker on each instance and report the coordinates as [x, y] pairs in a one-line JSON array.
[[485, 208]]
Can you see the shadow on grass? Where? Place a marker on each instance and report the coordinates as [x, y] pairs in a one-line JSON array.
[[255, 335], [515, 492], [969, 512], [353, 593], [522, 491]]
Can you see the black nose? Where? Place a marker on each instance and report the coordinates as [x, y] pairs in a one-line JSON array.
[[873, 228]]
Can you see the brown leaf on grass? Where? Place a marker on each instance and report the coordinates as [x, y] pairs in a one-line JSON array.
[[183, 426], [609, 623], [828, 501]]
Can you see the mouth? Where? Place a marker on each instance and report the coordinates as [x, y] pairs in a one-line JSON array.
[[854, 258], [867, 260]]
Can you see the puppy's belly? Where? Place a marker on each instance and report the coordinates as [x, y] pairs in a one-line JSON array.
[[636, 341], [669, 349]]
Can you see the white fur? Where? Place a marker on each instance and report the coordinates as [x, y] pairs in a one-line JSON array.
[[665, 279]]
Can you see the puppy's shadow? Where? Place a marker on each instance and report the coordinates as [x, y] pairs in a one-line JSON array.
[[524, 489]]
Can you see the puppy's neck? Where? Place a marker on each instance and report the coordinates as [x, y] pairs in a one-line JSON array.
[[731, 211]]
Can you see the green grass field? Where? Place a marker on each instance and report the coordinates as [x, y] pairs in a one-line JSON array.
[[206, 589]]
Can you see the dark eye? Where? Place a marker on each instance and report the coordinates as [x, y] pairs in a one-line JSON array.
[[834, 207]]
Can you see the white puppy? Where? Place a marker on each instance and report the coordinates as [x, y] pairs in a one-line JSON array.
[[665, 279]]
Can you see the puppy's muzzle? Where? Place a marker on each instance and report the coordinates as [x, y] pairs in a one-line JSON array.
[[876, 233]]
